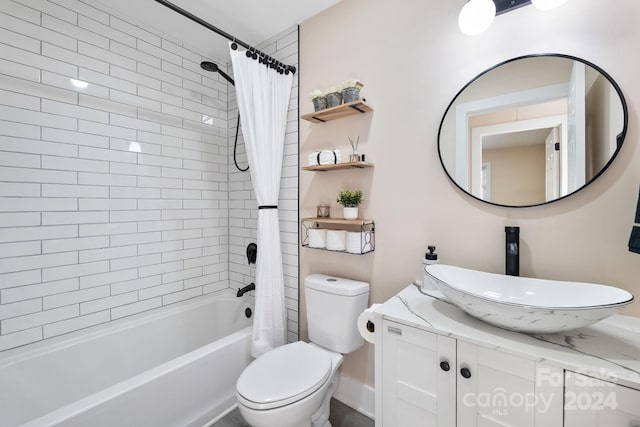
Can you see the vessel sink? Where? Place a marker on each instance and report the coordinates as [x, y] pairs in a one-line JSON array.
[[534, 306]]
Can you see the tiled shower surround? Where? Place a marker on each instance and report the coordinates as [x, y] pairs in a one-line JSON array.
[[118, 192]]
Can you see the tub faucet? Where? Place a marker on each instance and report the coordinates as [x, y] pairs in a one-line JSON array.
[[512, 250], [249, 287]]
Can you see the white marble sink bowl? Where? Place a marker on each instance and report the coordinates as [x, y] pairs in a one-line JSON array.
[[533, 306]]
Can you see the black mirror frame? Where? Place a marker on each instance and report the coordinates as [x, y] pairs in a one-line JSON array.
[[619, 139]]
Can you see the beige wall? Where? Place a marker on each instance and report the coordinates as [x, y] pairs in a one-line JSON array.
[[413, 60], [517, 174]]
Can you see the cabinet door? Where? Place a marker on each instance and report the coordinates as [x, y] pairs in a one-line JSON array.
[[591, 402], [418, 378], [499, 389]]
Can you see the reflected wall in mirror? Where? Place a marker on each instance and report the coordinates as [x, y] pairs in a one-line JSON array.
[[532, 130]]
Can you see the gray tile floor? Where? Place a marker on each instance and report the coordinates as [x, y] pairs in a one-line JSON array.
[[341, 416]]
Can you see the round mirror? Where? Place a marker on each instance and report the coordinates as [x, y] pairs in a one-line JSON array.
[[532, 130]]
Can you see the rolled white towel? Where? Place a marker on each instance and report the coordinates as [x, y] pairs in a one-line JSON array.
[[324, 157], [313, 158]]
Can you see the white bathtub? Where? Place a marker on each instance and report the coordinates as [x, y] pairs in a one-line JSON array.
[[173, 367]]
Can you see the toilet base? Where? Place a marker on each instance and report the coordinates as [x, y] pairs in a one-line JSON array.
[[321, 417]]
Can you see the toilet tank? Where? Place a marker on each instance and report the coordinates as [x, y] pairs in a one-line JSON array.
[[333, 305]]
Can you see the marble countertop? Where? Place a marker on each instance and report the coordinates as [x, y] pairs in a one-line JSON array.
[[609, 349]]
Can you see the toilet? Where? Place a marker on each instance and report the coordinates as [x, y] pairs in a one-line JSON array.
[[292, 385]]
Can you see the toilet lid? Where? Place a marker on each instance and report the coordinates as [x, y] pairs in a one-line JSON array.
[[284, 375]]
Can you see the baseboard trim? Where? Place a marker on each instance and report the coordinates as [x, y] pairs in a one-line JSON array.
[[357, 395]]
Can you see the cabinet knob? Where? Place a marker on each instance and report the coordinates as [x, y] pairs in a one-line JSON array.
[[444, 365], [465, 372]]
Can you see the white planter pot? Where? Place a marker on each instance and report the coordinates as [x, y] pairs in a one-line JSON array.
[[350, 213]]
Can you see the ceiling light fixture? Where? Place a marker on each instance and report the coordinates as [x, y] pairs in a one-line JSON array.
[[477, 15]]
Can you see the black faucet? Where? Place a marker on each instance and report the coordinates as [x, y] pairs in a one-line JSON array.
[[249, 287], [512, 251]]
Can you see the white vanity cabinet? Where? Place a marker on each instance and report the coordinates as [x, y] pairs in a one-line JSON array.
[[428, 379], [418, 378], [594, 402]]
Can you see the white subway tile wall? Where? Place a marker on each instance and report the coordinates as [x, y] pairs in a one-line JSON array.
[[118, 190]]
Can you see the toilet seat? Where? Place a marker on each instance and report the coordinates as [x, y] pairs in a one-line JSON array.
[[284, 375]]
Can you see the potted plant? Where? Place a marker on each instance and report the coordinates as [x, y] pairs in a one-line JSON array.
[[350, 199], [334, 96], [319, 100], [351, 91]]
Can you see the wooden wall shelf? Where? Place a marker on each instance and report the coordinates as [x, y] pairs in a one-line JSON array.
[[338, 166], [344, 110], [339, 221]]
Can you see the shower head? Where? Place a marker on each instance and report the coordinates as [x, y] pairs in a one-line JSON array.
[[210, 66]]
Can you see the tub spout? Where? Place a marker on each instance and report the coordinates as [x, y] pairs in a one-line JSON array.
[[249, 287]]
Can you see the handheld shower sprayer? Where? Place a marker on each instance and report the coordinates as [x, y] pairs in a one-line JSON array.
[[210, 66], [213, 67]]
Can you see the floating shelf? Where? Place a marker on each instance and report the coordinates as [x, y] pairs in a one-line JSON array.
[[344, 110], [366, 228], [337, 166], [339, 221]]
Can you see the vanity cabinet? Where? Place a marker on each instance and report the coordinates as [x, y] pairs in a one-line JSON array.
[[418, 378], [594, 402], [428, 379], [436, 366]]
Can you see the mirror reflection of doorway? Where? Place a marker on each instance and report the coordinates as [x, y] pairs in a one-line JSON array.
[[552, 164], [485, 190], [517, 152], [527, 166], [517, 166]]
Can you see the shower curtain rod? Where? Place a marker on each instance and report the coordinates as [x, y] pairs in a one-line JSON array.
[[226, 35]]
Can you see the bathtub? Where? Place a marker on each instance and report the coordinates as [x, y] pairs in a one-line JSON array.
[[176, 366]]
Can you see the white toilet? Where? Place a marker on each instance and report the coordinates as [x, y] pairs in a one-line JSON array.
[[291, 386]]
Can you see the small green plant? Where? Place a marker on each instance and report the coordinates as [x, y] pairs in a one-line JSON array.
[[350, 198]]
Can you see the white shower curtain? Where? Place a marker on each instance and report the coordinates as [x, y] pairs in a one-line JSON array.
[[263, 100]]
